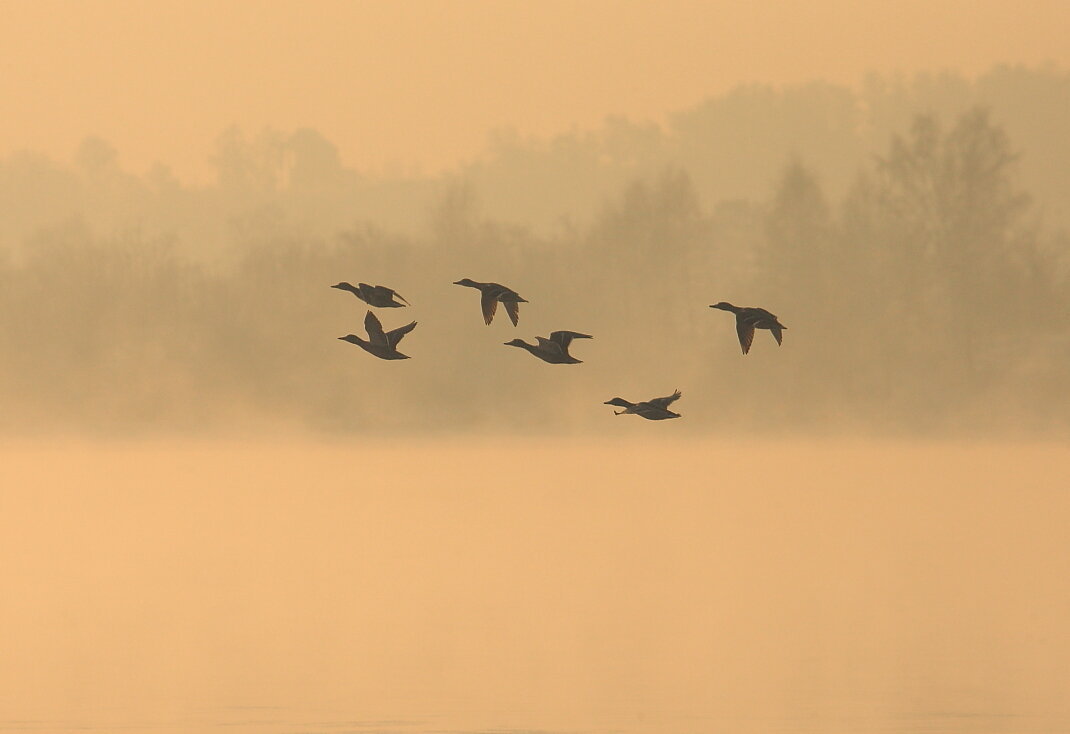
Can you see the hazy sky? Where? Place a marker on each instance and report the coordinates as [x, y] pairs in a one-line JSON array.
[[421, 83]]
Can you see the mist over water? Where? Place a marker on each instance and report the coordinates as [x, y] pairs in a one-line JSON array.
[[217, 516], [549, 585], [910, 233]]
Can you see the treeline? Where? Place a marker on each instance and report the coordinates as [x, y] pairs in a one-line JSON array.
[[732, 146], [925, 299]]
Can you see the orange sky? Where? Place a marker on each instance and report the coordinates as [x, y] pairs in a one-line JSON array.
[[421, 83]]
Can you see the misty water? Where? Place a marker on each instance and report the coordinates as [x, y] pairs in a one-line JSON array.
[[545, 585]]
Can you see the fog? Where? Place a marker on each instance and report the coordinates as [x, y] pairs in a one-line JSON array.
[[911, 234], [443, 585], [217, 515]]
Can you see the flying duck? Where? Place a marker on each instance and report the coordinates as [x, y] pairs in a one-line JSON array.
[[748, 319], [656, 409], [492, 294], [382, 344], [374, 295], [553, 350]]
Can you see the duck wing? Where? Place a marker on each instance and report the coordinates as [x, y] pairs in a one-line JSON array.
[[364, 292], [387, 294], [663, 403], [375, 329], [513, 309], [489, 303], [564, 338], [550, 346], [759, 318], [745, 330], [394, 335]]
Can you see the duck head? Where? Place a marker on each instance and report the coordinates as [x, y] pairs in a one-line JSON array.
[[619, 402], [724, 306], [466, 281], [343, 286], [517, 343]]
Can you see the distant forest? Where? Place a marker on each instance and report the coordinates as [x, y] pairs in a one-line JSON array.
[[911, 233]]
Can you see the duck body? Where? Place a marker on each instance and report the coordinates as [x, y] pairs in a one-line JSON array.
[[491, 295], [655, 409], [382, 344], [553, 350], [749, 318], [374, 295]]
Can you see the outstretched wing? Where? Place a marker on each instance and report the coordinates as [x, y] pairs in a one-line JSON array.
[[489, 303], [666, 401], [394, 336], [745, 330], [564, 338], [387, 294], [375, 329], [778, 333], [513, 309], [551, 346]]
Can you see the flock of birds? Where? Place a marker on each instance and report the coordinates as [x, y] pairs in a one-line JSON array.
[[553, 349]]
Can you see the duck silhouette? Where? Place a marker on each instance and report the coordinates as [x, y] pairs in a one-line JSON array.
[[382, 344], [491, 295], [553, 350], [748, 319], [374, 295], [656, 409]]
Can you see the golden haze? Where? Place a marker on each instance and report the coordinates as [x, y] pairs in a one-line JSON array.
[[419, 84], [640, 586]]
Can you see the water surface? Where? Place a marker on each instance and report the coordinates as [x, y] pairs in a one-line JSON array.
[[534, 586]]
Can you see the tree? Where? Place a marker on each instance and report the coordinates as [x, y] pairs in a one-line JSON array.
[[964, 235], [953, 257], [97, 157], [250, 167], [797, 252], [314, 160]]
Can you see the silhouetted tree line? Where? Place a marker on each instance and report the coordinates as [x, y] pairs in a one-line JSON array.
[[927, 296], [732, 146]]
